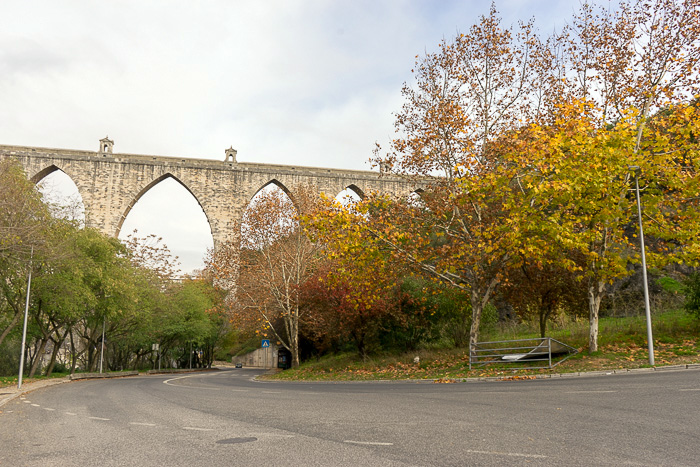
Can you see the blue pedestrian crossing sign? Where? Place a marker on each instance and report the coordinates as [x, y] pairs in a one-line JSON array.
[[265, 343]]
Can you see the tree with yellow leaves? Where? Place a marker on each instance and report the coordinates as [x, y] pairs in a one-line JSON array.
[[274, 258]]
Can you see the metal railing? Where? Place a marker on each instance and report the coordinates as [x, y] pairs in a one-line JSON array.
[[550, 352]]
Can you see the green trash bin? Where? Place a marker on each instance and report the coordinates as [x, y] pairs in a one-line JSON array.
[[284, 359]]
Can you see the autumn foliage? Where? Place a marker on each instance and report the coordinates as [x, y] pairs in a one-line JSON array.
[[526, 148]]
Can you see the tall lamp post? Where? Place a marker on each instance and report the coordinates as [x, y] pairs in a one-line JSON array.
[[102, 347], [650, 340], [24, 329]]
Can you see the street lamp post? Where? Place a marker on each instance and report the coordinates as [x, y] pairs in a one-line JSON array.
[[650, 339], [24, 329], [102, 347]]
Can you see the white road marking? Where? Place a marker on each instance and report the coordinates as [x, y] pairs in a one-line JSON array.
[[49, 409], [272, 392], [36, 405], [142, 424], [27, 402], [368, 443], [167, 381], [98, 418], [71, 413], [689, 389], [588, 392], [194, 428], [510, 454]]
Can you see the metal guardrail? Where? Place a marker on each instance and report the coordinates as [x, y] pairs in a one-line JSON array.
[[549, 351]]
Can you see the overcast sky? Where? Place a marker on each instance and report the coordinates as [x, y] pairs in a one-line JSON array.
[[309, 83]]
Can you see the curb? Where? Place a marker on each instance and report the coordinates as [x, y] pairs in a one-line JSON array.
[[617, 371], [77, 376], [10, 393], [511, 377], [181, 370]]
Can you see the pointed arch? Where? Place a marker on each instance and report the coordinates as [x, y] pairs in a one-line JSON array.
[[349, 195], [277, 204], [61, 192], [357, 190], [40, 175], [276, 183], [415, 198], [146, 189]]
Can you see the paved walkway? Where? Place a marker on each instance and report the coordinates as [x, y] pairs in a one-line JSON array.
[[11, 392]]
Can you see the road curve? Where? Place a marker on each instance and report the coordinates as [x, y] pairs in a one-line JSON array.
[[226, 419]]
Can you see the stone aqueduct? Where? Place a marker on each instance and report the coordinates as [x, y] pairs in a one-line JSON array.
[[110, 184]]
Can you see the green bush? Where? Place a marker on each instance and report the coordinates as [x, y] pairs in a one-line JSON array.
[[692, 295], [9, 358], [670, 285]]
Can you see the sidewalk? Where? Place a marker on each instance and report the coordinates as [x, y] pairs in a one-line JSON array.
[[11, 392]]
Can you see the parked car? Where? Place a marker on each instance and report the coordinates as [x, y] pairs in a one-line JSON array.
[[239, 365]]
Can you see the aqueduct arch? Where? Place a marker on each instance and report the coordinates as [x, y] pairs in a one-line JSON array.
[[110, 183]]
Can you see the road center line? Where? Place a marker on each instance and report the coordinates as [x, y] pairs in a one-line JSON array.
[[368, 443], [685, 390], [272, 392], [71, 413], [36, 405], [49, 409], [510, 454], [142, 424], [194, 428], [98, 418]]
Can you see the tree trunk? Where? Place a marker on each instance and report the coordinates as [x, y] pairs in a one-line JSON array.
[[476, 319], [13, 323], [294, 340], [545, 312], [595, 294], [56, 348], [38, 357], [543, 323], [479, 301], [73, 354]]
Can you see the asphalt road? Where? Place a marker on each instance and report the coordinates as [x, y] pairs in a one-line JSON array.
[[227, 419]]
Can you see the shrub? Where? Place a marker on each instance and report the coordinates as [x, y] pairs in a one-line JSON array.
[[692, 295]]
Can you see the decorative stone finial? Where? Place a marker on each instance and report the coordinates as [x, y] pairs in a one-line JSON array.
[[231, 155], [385, 167], [106, 145]]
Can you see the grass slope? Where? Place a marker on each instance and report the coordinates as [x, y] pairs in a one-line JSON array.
[[622, 344]]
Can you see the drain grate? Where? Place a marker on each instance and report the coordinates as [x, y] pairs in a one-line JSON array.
[[236, 440]]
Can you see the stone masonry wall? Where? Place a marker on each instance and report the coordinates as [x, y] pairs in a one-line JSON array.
[[111, 184]]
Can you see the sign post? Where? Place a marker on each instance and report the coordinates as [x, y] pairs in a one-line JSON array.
[[266, 345]]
